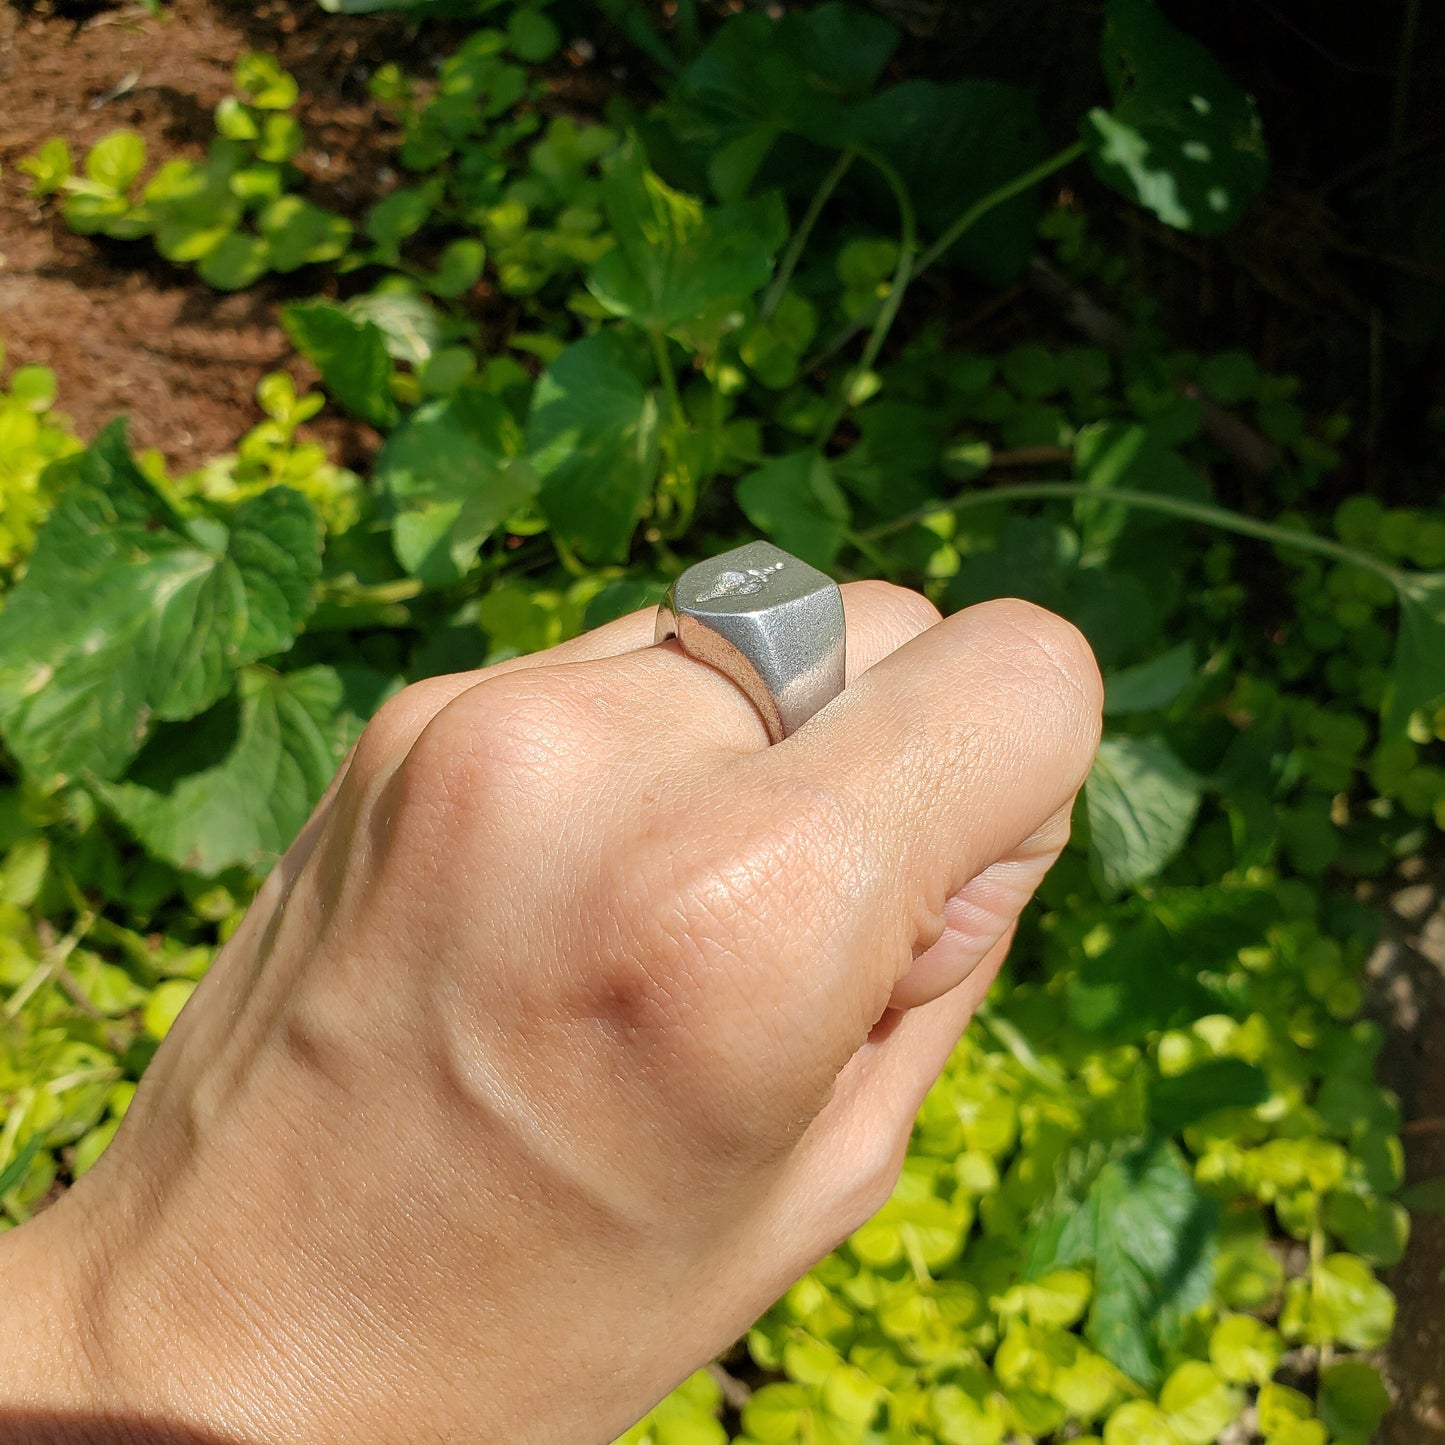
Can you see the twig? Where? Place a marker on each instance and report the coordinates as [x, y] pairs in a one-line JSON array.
[[736, 1392], [1433, 1124]]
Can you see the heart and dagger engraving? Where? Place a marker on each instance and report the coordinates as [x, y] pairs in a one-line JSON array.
[[740, 584]]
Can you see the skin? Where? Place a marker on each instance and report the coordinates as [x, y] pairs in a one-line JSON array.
[[577, 1023]]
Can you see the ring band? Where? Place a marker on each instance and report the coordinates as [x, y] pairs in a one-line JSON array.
[[769, 622]]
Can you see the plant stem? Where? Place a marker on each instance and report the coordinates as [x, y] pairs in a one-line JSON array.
[[970, 218], [50, 964], [1004, 193], [799, 240], [1017, 1045], [667, 375], [1205, 513], [903, 273]]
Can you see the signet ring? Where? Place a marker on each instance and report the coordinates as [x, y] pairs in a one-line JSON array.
[[769, 622]]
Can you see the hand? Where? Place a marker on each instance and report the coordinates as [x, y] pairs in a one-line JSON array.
[[577, 1023]]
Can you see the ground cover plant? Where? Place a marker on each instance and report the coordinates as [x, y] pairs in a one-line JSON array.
[[1150, 1198]]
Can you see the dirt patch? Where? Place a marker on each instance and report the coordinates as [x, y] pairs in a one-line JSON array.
[[124, 331], [1408, 989]]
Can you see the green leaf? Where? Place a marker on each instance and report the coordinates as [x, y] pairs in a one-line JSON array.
[[1230, 377], [236, 121], [531, 36], [234, 262], [1426, 1197], [760, 78], [49, 168], [1148, 686], [953, 145], [1343, 1303], [1245, 1350], [351, 356], [1418, 674], [1286, 1416], [1139, 1422], [261, 82], [233, 787], [1140, 801], [679, 267], [1376, 1229], [123, 620], [1179, 1100], [796, 502], [592, 440], [1353, 1400], [400, 214], [1041, 561], [114, 161], [450, 472], [19, 1166], [458, 269], [299, 234], [1181, 139], [164, 1006], [1150, 1235], [1199, 1404], [411, 326]]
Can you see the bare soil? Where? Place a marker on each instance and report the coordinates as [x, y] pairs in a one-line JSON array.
[[125, 331]]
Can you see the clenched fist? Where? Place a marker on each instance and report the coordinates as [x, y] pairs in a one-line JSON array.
[[577, 1023]]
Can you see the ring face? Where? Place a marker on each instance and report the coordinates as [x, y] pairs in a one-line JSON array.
[[770, 622]]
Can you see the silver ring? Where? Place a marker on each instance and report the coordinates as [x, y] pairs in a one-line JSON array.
[[769, 622]]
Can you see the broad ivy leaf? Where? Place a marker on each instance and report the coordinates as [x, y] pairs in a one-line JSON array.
[[893, 467], [233, 786], [953, 145], [1140, 801], [1178, 1100], [1110, 455], [1041, 561], [592, 440], [1150, 1235], [451, 473], [678, 266], [796, 502], [1181, 139], [123, 619], [351, 356], [760, 78], [1418, 675]]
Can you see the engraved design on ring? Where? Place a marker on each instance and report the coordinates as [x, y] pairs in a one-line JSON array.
[[770, 622]]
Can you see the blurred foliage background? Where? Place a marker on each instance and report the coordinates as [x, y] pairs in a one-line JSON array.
[[1134, 309]]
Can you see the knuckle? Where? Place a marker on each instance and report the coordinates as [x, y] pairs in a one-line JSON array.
[[395, 724], [519, 733], [903, 612]]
